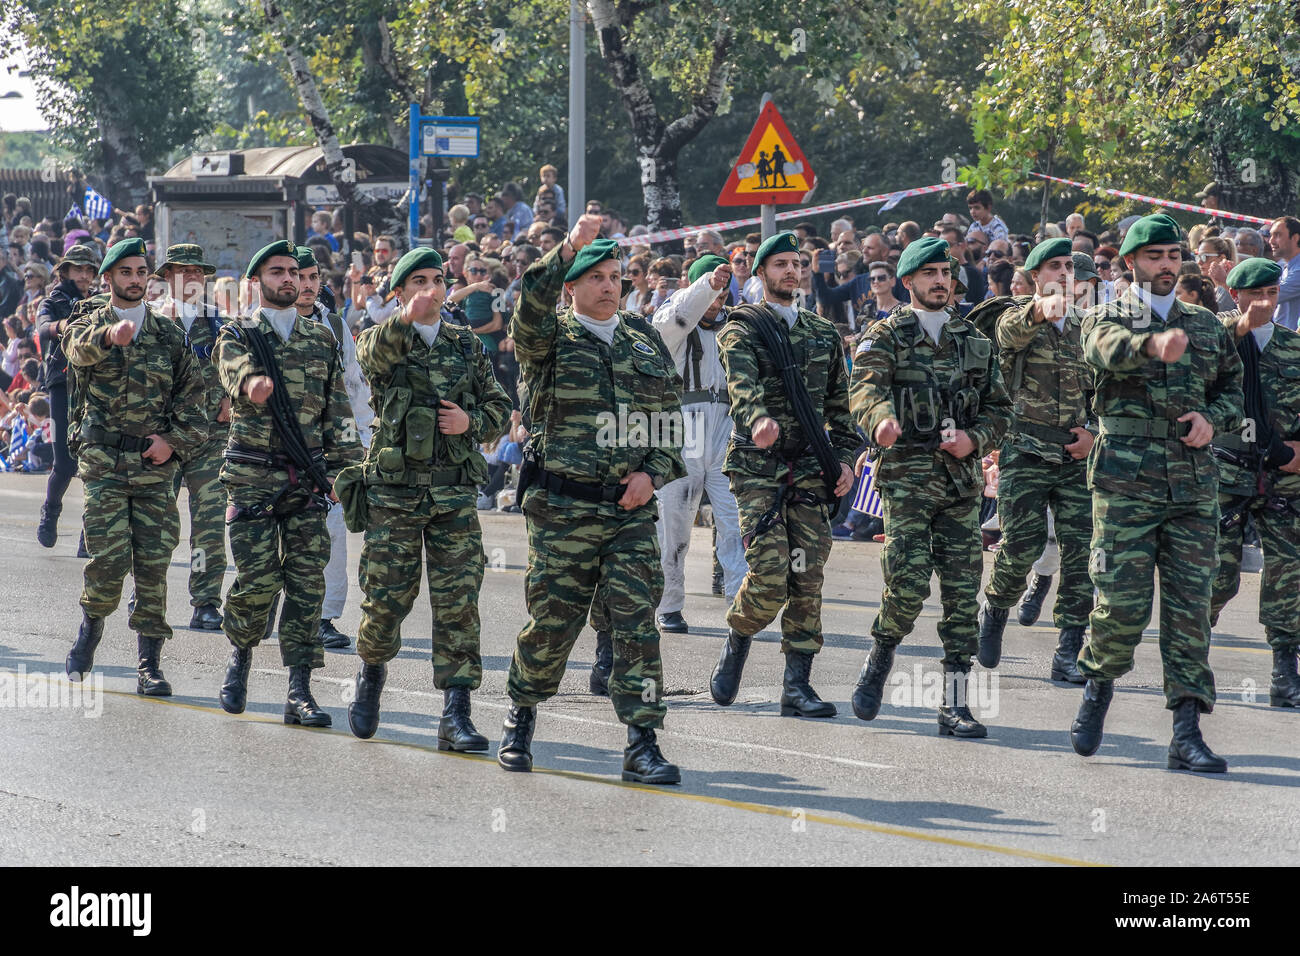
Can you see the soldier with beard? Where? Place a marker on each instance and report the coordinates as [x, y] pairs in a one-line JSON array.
[[141, 409]]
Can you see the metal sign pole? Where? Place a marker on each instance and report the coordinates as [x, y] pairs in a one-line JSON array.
[[413, 207]]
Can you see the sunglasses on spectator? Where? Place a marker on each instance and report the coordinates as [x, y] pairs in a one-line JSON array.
[[806, 263], [1204, 256], [996, 254], [1103, 265], [477, 272], [843, 275], [633, 273], [29, 275], [880, 277]]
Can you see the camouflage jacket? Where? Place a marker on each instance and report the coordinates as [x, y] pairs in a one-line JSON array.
[[152, 386], [1279, 381], [899, 373], [313, 373], [203, 345], [598, 412], [408, 379], [1139, 399], [1055, 383], [756, 390]]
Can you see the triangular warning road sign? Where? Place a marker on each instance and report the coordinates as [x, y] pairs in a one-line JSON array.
[[771, 168]]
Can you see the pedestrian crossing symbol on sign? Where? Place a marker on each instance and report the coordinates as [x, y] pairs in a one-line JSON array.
[[771, 168]]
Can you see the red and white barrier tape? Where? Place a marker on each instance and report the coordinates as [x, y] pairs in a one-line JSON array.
[[666, 234], [1168, 203]]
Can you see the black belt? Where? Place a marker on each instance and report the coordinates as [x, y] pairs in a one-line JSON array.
[[253, 456], [1046, 433], [95, 435], [582, 490], [705, 395], [1144, 427]]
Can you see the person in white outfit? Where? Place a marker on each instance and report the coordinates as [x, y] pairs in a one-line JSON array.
[[336, 571], [688, 322]]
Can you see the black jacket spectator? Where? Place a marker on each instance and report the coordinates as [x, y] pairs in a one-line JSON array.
[[56, 307]]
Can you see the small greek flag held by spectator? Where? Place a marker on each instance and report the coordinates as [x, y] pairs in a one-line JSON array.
[[17, 438], [75, 211], [97, 207], [867, 500]]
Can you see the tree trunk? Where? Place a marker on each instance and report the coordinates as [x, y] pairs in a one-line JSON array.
[[1267, 190], [657, 144], [341, 172], [125, 173]]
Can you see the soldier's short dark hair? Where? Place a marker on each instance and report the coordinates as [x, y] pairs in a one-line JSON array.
[[1291, 223], [753, 238], [979, 197], [809, 229], [556, 234]]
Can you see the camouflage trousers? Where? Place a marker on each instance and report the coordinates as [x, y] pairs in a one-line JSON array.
[[1027, 487], [786, 563], [442, 525], [1279, 586], [286, 551], [207, 501], [577, 550], [930, 529], [1131, 539], [131, 528]]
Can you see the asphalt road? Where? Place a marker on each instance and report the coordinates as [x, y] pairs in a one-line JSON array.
[[119, 779]]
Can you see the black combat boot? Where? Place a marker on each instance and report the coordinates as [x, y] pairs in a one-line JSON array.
[[332, 637], [82, 656], [149, 676], [643, 762], [724, 684], [301, 707], [1065, 664], [603, 665], [234, 692], [47, 529], [515, 752], [1085, 732], [798, 699], [992, 622], [955, 718], [206, 617], [456, 731], [871, 683], [1031, 602], [363, 712], [81, 546], [672, 622], [717, 582], [1284, 691], [1187, 750]]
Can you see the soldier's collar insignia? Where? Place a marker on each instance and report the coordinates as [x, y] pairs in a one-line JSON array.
[[643, 348]]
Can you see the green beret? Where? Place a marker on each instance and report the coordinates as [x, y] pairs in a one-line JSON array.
[[594, 252], [1047, 249], [281, 247], [418, 258], [306, 257], [184, 254], [1255, 273], [1150, 231], [922, 252], [705, 263], [1084, 267], [781, 242], [124, 249]]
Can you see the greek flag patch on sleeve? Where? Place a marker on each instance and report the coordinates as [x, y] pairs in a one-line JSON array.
[[865, 346]]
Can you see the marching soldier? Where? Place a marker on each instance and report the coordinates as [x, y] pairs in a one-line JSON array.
[[1042, 462], [1259, 470], [786, 376], [688, 322], [185, 273], [437, 399], [1168, 379], [289, 436], [336, 571], [928, 393], [587, 492], [137, 407]]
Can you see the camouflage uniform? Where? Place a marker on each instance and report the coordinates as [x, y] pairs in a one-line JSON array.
[[1244, 490], [1155, 499], [201, 473], [578, 388], [421, 492], [931, 499], [153, 385], [289, 548], [1035, 472], [787, 561]]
